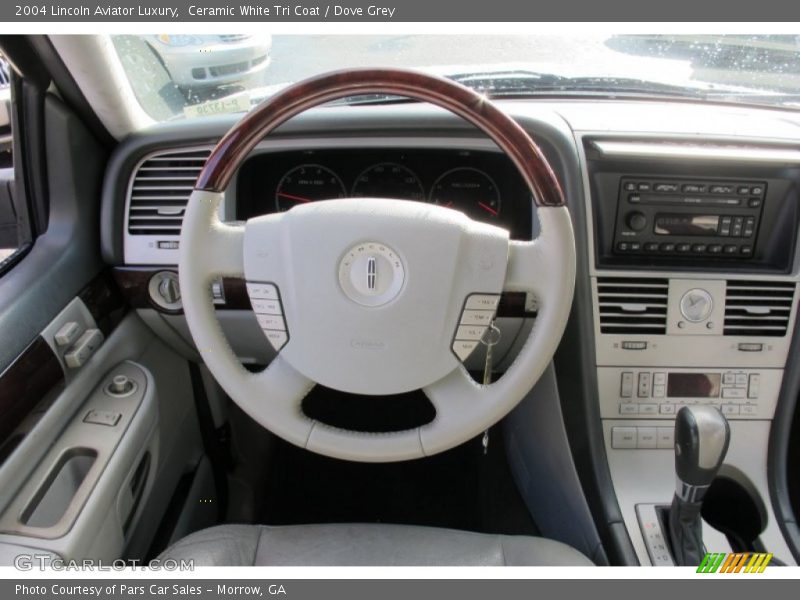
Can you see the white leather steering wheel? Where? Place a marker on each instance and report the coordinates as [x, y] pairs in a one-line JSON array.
[[371, 292]]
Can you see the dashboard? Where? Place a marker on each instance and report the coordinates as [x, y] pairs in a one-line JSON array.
[[483, 185], [686, 220]]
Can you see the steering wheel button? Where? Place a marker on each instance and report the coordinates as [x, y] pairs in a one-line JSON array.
[[264, 291], [482, 302], [470, 332], [464, 348], [477, 317], [266, 307], [277, 338], [271, 322]]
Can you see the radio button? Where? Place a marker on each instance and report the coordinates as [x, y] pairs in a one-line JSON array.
[[666, 187], [651, 246], [731, 249], [699, 248], [683, 247], [636, 221], [694, 188], [722, 189], [667, 247], [715, 248]]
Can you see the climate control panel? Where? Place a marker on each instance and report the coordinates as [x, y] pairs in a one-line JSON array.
[[658, 393]]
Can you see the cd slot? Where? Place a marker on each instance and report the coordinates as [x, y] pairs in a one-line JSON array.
[[661, 200]]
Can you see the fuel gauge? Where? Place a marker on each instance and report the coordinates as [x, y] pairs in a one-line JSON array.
[[469, 190]]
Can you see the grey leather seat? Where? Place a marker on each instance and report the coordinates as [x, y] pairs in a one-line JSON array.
[[366, 545]]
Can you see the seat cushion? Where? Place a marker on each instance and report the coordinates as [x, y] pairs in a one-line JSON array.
[[363, 544]]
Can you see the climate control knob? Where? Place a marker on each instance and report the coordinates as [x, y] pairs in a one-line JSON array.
[[636, 221]]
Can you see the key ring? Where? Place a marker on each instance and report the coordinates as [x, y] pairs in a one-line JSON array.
[[491, 336]]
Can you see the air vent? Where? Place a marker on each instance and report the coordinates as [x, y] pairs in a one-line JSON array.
[[160, 190], [631, 305], [758, 308]]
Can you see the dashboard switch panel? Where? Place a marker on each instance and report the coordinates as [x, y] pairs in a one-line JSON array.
[[647, 393], [266, 303]]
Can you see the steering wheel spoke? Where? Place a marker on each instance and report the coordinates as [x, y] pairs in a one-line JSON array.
[[543, 265], [217, 247]]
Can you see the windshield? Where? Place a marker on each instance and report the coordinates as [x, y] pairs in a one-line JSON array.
[[192, 76]]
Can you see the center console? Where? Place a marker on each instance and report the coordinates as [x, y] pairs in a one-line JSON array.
[[693, 280]]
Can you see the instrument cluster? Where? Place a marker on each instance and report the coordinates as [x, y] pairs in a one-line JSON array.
[[483, 185]]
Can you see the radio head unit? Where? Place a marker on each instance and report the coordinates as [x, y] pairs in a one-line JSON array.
[[688, 218]]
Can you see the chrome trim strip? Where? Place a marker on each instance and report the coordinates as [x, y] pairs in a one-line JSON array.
[[737, 153]]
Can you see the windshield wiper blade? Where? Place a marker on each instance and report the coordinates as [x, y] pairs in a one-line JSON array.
[[522, 82], [366, 99]]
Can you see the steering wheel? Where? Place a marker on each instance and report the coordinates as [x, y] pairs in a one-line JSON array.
[[375, 296]]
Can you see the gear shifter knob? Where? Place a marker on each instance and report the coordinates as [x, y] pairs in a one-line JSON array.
[[702, 436]]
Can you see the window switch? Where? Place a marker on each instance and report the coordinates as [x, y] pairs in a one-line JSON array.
[[102, 417]]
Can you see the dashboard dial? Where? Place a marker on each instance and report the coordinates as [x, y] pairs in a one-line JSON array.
[[469, 190], [388, 180], [307, 183]]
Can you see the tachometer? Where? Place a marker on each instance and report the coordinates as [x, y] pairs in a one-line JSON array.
[[307, 183], [469, 190], [388, 180]]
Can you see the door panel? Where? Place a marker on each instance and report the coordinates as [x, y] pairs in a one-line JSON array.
[[84, 473]]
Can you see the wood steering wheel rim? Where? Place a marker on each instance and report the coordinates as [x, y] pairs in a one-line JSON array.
[[526, 155]]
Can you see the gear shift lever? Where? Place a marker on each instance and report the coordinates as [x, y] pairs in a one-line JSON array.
[[702, 435]]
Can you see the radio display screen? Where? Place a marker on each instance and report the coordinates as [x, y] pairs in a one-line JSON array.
[[693, 385], [684, 224]]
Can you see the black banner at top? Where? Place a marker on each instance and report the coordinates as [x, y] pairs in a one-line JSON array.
[[198, 11]]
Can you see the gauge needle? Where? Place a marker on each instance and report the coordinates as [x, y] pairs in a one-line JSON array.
[[295, 198], [488, 208]]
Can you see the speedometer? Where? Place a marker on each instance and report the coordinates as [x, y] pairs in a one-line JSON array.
[[469, 190], [388, 180], [307, 183]]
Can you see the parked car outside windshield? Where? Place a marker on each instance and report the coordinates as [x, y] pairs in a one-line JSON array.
[[171, 74]]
